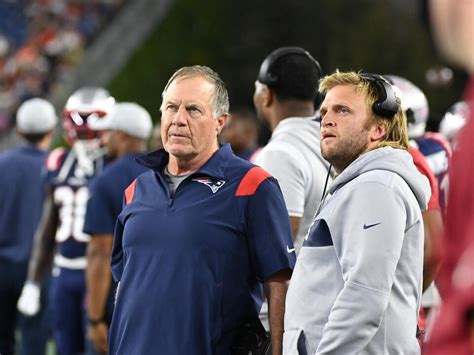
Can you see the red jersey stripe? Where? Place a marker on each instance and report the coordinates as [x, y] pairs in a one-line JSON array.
[[251, 181], [130, 192]]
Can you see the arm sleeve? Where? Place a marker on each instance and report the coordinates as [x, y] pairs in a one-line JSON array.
[[285, 167], [368, 258], [99, 212], [268, 231]]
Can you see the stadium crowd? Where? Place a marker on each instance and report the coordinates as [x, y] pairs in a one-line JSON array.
[[41, 43], [350, 232]]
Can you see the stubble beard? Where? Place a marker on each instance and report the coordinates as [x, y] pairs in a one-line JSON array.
[[346, 151]]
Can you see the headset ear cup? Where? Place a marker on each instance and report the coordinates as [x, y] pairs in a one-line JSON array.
[[387, 104]]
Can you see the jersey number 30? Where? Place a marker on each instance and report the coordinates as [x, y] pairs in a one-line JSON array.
[[71, 213]]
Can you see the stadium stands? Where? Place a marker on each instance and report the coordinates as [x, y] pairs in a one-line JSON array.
[[41, 44]]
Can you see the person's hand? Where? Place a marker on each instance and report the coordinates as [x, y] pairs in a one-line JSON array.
[[29, 301], [97, 334]]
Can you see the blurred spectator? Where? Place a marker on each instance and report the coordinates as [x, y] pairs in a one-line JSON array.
[[454, 330], [241, 132], [13, 22]]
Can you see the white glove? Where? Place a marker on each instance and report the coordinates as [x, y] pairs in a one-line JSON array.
[[29, 301]]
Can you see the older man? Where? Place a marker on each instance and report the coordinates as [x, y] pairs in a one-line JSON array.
[[356, 288], [199, 234]]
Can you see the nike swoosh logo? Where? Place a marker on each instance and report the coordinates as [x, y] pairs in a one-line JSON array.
[[367, 226], [290, 250]]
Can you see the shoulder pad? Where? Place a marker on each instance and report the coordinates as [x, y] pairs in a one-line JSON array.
[[438, 138]]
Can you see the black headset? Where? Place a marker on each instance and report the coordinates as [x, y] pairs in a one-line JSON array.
[[386, 104], [265, 75]]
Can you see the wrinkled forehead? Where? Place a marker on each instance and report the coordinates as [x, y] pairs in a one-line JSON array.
[[189, 87]]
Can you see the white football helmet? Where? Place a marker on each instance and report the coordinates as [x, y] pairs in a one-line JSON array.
[[84, 104], [87, 103], [413, 102], [454, 119]]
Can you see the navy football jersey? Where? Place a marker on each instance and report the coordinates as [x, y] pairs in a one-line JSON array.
[[69, 185], [437, 152]]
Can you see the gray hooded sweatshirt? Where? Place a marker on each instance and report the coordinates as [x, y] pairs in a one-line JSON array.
[[356, 287]]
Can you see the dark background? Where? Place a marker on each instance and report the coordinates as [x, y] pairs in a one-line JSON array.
[[233, 37]]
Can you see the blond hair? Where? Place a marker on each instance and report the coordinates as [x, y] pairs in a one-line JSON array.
[[397, 130]]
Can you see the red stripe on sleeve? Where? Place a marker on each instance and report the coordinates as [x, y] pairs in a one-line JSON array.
[[53, 161], [130, 192], [251, 181]]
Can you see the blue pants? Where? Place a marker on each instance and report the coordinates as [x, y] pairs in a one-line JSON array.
[[67, 296]]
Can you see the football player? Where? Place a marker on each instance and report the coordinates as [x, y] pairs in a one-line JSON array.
[[59, 238], [433, 146]]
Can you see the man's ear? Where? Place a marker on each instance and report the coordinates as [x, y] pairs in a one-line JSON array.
[[264, 94], [267, 96], [378, 131], [221, 122]]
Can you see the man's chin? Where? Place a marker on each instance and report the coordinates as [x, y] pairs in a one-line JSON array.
[[181, 153], [326, 153]]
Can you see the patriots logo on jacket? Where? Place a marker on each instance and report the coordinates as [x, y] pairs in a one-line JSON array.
[[214, 185]]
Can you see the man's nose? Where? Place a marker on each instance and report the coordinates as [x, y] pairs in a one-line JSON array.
[[181, 116], [327, 121]]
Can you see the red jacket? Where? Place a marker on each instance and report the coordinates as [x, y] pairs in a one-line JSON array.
[[456, 278]]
